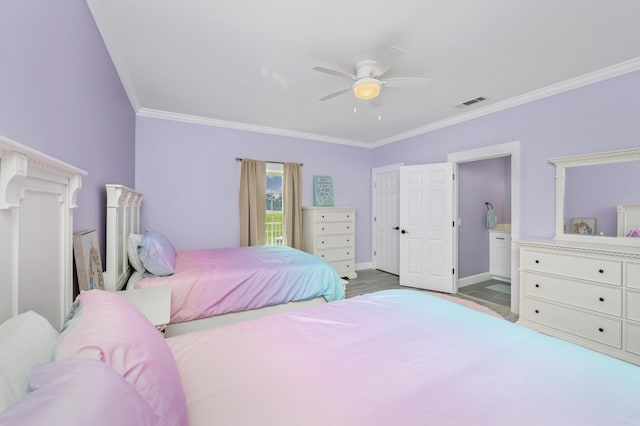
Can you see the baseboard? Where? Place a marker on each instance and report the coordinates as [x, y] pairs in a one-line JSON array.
[[473, 279], [365, 265]]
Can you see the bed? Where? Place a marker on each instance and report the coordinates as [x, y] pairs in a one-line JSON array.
[[208, 287], [391, 357]]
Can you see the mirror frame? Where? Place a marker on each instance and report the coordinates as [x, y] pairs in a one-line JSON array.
[[561, 164]]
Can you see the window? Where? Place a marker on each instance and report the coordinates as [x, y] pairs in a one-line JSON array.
[[273, 223]]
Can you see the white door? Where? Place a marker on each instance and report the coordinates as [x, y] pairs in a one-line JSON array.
[[426, 227], [386, 181]]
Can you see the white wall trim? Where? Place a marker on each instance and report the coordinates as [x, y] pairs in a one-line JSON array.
[[193, 119], [364, 265], [554, 89], [574, 83], [473, 279], [494, 151]]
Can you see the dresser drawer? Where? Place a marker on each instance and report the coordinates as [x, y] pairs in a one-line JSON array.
[[344, 267], [597, 298], [633, 338], [335, 216], [334, 241], [587, 268], [590, 326], [331, 255], [633, 305], [334, 228], [633, 275]]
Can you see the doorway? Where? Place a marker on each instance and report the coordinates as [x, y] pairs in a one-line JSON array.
[[512, 150]]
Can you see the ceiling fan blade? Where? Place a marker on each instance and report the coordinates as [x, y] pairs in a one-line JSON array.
[[338, 73], [406, 82], [387, 60], [338, 93], [376, 102]]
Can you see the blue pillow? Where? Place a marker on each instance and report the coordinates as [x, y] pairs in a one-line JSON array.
[[157, 254]]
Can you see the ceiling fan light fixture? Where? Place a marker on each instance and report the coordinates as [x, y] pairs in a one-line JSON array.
[[366, 88]]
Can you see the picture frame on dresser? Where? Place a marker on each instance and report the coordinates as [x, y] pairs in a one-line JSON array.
[[583, 225]]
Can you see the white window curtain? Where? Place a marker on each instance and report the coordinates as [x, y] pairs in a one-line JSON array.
[[253, 174]]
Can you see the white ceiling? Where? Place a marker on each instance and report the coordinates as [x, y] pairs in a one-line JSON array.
[[248, 63]]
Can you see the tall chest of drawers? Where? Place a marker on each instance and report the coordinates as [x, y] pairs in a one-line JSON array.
[[584, 294], [330, 233]]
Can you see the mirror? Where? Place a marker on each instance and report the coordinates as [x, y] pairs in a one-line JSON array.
[[596, 197]]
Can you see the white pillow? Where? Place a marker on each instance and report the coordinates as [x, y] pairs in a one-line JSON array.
[[132, 251], [26, 340]]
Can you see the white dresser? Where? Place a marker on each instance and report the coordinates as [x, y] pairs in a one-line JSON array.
[[587, 294], [330, 233]]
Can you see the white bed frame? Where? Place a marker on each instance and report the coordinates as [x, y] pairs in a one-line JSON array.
[[628, 218], [37, 198], [123, 217]]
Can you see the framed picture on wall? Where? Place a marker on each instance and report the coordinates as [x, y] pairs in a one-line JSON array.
[[583, 225], [88, 262], [322, 191]]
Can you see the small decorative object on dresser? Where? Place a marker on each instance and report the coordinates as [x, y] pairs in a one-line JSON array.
[[322, 191], [330, 233], [583, 225], [88, 263]]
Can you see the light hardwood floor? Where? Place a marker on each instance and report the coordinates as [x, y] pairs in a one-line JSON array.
[[370, 280]]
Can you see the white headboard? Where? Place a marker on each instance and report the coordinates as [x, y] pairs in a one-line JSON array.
[[628, 218], [123, 217], [37, 198]]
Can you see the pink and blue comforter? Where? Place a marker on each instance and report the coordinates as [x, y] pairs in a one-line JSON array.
[[219, 281], [398, 357]]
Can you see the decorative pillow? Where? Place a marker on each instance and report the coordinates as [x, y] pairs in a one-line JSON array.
[[80, 392], [132, 251], [106, 327], [26, 341], [634, 233], [157, 254]]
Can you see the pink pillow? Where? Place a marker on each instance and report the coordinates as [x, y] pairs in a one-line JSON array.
[[80, 392], [103, 326]]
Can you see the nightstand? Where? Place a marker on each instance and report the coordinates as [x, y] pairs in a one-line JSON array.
[[153, 302]]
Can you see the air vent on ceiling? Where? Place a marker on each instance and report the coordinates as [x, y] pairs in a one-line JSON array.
[[471, 102]]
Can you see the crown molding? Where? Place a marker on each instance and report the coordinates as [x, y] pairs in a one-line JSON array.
[[574, 83], [571, 84], [194, 119]]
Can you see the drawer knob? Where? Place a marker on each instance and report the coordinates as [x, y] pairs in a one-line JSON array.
[[348, 227], [601, 330], [322, 242], [537, 311], [347, 253], [601, 299], [323, 228], [537, 261], [537, 285], [601, 271], [322, 255], [348, 240]]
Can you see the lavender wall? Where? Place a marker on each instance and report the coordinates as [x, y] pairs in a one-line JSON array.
[[599, 117], [61, 95], [479, 182], [190, 179]]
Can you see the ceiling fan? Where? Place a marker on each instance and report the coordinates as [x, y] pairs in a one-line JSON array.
[[369, 77]]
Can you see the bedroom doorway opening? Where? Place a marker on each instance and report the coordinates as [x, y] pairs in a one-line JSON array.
[[508, 151]]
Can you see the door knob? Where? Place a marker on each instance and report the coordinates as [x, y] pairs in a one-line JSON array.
[[396, 228], [404, 232]]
